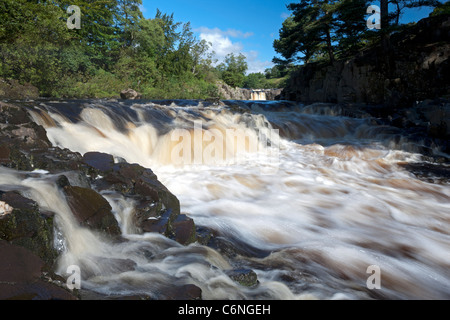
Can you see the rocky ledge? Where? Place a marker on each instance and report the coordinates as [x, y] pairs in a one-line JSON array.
[[27, 231]]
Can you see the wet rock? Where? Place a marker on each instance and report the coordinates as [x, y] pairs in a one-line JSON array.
[[188, 292], [160, 224], [100, 161], [204, 235], [184, 230], [22, 276], [5, 153], [91, 209], [156, 208], [430, 172], [244, 277], [24, 225], [232, 247]]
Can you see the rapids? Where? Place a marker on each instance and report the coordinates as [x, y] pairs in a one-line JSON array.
[[312, 197]]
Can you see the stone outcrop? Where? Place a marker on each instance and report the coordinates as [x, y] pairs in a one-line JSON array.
[[12, 89], [23, 276], [415, 67]]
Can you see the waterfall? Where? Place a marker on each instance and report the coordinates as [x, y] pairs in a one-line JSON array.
[[323, 195], [258, 95]]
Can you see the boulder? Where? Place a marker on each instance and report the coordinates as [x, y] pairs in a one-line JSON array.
[[130, 94], [22, 224], [156, 208], [91, 209], [22, 276]]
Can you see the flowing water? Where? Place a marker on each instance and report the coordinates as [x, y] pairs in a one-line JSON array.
[[312, 198]]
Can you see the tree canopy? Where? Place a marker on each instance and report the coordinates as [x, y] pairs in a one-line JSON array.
[[115, 48], [321, 30]]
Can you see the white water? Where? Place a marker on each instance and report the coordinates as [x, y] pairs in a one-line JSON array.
[[330, 203]]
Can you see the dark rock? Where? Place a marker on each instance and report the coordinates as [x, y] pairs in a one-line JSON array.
[[22, 276], [25, 226], [156, 207], [184, 230], [232, 247], [161, 224], [430, 172], [100, 161], [416, 67], [91, 209], [204, 235], [188, 292], [13, 115], [5, 153]]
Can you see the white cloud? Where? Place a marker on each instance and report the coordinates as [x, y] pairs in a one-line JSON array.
[[254, 64], [222, 45], [142, 8], [285, 15], [233, 33]]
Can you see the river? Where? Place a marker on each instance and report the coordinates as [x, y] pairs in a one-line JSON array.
[[320, 205]]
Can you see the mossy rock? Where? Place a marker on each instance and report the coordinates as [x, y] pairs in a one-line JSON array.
[[26, 226], [91, 210]]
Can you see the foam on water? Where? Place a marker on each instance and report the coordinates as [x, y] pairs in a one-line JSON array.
[[332, 201]]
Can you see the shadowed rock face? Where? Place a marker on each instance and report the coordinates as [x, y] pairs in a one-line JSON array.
[[25, 225], [416, 67], [21, 276]]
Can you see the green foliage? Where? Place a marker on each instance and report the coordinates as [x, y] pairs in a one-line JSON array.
[[256, 81], [116, 48], [233, 70], [320, 30], [443, 8]]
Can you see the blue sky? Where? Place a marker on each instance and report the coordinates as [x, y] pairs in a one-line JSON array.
[[239, 26]]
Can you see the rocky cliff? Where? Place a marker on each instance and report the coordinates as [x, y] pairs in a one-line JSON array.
[[416, 67]]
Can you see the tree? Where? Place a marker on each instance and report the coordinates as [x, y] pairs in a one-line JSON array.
[[256, 81], [234, 70], [128, 16], [442, 8], [309, 30], [350, 29], [115, 48]]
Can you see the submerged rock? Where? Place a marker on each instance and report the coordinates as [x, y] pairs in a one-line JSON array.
[[245, 277]]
